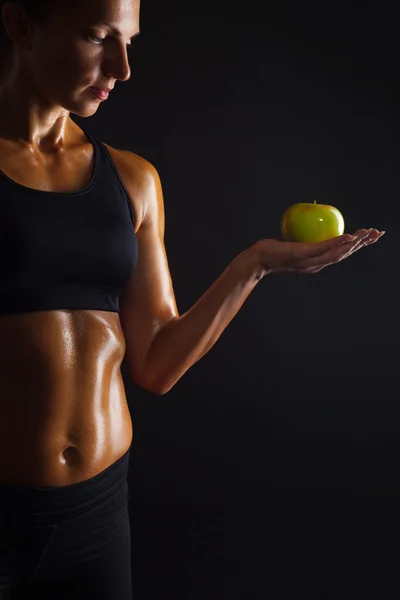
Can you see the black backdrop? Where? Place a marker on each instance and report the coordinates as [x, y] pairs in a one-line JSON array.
[[273, 464]]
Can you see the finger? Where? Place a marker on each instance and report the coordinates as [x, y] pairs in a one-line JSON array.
[[362, 237], [374, 237], [341, 252], [366, 235], [329, 258], [315, 265], [357, 241], [312, 271], [320, 248]]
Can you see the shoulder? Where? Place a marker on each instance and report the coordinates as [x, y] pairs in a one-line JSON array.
[[141, 180]]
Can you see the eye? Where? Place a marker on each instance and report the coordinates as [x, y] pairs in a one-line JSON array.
[[94, 37]]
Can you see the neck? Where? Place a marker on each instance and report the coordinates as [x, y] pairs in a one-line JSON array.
[[26, 120]]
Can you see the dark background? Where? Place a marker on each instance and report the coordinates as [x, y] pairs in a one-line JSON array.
[[271, 470]]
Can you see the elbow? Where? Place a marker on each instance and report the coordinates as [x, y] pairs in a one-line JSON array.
[[158, 388], [161, 388], [152, 379], [162, 391]]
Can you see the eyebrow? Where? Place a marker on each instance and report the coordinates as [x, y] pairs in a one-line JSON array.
[[117, 31]]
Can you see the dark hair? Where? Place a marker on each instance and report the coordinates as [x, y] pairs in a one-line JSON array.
[[37, 10]]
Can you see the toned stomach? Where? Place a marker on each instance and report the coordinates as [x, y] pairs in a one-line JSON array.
[[64, 416]]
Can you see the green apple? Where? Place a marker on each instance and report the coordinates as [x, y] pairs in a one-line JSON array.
[[306, 222]]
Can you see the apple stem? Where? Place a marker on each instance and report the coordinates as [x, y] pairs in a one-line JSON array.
[[315, 202]]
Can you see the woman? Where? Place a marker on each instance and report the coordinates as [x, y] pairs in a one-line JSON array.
[[85, 281]]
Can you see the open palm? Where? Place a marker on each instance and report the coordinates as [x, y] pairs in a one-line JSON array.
[[299, 257]]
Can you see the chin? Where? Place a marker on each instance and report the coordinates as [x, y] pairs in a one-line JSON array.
[[83, 112], [82, 109]]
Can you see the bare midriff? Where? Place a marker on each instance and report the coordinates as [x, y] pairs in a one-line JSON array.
[[64, 416]]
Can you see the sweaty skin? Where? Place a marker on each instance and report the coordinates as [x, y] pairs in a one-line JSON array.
[[63, 411], [64, 416]]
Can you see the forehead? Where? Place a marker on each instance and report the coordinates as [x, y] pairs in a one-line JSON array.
[[121, 14]]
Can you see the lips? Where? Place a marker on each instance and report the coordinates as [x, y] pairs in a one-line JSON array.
[[102, 94]]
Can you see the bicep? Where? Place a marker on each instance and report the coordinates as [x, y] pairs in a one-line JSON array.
[[148, 301]]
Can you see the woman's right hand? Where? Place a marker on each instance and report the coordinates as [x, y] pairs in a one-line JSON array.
[[277, 256]]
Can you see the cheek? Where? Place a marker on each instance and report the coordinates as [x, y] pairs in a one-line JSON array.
[[65, 65]]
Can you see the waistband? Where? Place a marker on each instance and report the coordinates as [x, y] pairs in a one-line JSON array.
[[57, 505]]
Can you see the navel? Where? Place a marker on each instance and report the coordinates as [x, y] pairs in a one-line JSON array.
[[70, 456]]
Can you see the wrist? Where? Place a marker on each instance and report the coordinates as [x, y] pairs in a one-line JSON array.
[[252, 264]]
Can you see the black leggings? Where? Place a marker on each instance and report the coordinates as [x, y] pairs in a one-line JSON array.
[[67, 543]]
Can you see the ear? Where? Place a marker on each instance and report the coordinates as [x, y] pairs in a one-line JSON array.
[[17, 25]]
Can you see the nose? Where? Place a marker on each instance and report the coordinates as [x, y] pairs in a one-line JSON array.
[[116, 64]]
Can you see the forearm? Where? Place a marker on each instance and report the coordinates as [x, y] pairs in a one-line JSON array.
[[183, 341]]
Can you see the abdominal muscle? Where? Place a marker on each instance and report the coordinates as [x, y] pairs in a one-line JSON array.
[[64, 416]]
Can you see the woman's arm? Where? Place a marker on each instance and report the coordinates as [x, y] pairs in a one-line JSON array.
[[186, 339], [161, 345]]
